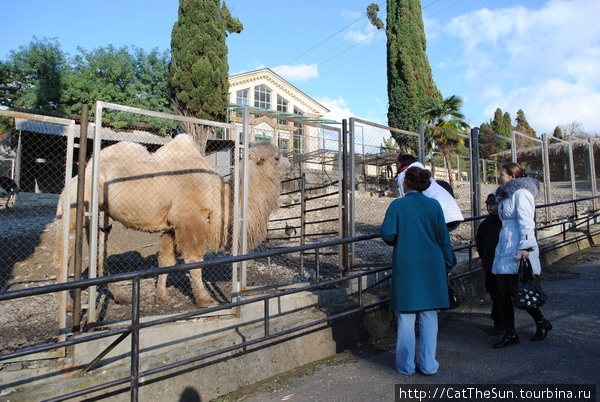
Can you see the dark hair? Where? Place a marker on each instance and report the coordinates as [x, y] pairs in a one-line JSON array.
[[405, 160], [491, 199], [446, 186], [417, 179], [514, 169]]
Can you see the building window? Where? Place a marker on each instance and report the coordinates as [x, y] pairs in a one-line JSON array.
[[283, 140], [262, 97], [282, 106], [241, 98], [298, 133], [283, 144]]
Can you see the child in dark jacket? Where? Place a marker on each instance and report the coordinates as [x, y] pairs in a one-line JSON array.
[[486, 241]]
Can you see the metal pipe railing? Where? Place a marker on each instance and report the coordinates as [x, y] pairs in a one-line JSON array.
[[136, 325]]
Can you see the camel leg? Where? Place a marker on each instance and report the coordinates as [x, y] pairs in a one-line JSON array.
[[166, 258], [202, 296], [191, 236], [105, 228]]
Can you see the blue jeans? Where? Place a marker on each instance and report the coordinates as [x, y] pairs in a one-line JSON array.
[[405, 346]]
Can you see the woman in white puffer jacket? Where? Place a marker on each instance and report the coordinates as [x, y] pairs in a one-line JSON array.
[[516, 209]]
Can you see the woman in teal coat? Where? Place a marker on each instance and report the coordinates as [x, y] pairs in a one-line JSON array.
[[415, 226]]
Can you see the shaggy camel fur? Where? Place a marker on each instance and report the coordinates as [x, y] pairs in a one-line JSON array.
[[175, 191]]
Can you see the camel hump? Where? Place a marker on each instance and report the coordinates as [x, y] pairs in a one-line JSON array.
[[181, 145]]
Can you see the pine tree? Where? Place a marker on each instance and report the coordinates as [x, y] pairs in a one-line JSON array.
[[523, 127], [410, 81], [557, 133], [199, 69], [487, 142]]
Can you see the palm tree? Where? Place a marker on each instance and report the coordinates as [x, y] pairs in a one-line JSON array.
[[445, 114]]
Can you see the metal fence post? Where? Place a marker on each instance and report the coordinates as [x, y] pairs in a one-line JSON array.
[[83, 127], [592, 172], [236, 288], [135, 338], [572, 171], [93, 240], [344, 206], [422, 143], [513, 148], [475, 178], [302, 219], [352, 196], [547, 181], [244, 206]]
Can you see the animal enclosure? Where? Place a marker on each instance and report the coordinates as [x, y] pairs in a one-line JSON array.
[[306, 203]]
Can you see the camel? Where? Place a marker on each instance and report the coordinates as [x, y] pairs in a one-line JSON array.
[[175, 191]]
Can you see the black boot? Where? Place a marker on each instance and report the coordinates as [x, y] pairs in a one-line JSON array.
[[543, 327], [509, 338]]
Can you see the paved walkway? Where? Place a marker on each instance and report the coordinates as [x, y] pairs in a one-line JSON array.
[[570, 354]]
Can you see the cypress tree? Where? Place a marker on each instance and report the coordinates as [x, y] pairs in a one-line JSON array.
[[501, 125], [558, 132], [199, 68], [523, 127], [410, 81]]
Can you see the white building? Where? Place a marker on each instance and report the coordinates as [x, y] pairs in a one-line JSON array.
[[266, 91]]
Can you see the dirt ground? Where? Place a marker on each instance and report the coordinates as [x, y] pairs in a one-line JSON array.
[[27, 243]]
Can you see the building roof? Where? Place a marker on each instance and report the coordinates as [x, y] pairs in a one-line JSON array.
[[107, 134], [311, 106]]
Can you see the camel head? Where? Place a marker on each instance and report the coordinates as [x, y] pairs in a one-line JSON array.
[[267, 157]]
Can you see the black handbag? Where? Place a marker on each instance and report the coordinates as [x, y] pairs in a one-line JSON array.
[[528, 292], [453, 300]]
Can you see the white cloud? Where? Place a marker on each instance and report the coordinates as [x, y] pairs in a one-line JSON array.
[[349, 14], [545, 61], [364, 35], [338, 109], [433, 28], [250, 67], [300, 72], [368, 138]]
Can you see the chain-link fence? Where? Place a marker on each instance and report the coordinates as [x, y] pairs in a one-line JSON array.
[[310, 199], [530, 156], [372, 159], [582, 165], [494, 151], [33, 162], [562, 182], [164, 199], [161, 199]]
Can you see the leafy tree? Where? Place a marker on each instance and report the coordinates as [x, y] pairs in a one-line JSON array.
[[32, 76], [487, 141], [445, 114], [129, 77], [389, 145], [574, 129], [199, 69], [7, 85], [557, 133], [410, 80]]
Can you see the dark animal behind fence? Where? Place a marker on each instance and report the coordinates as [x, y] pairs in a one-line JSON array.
[[8, 187]]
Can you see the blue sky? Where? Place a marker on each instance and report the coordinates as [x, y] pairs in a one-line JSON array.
[[539, 56]]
